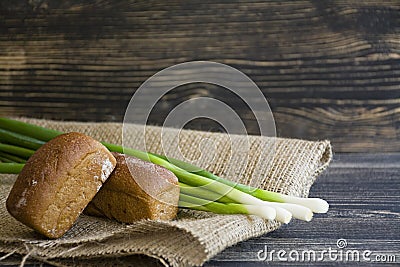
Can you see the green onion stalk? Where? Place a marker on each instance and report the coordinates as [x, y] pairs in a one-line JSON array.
[[200, 189], [316, 205]]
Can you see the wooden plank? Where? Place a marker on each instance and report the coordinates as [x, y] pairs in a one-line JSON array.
[[329, 69], [363, 192]]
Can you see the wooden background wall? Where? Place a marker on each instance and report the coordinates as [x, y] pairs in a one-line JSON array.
[[330, 69]]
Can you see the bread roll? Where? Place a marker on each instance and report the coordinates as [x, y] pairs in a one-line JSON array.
[[145, 191], [58, 181]]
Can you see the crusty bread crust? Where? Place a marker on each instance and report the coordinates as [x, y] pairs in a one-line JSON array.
[[58, 181], [141, 191]]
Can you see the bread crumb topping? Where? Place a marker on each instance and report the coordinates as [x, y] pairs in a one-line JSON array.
[[106, 170]]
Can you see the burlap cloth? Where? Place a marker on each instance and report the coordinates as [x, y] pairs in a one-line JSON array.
[[285, 165]]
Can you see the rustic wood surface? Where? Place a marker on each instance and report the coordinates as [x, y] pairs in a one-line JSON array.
[[330, 69], [363, 192]]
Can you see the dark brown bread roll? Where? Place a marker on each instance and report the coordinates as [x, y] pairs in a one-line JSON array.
[[149, 191], [58, 182]]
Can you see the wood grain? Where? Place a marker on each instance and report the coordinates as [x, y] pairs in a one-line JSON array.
[[363, 192], [330, 69]]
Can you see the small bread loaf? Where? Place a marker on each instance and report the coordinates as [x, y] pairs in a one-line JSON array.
[[141, 191], [58, 181]]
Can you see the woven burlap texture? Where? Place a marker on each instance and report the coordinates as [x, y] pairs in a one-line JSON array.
[[289, 166]]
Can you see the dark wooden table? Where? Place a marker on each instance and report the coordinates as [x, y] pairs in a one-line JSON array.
[[329, 69], [364, 195]]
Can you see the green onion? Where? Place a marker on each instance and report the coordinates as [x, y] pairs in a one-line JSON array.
[[20, 140], [12, 157], [203, 193], [297, 211], [315, 204], [197, 180], [282, 215], [28, 129], [11, 167], [188, 205], [6, 160], [265, 212], [15, 150]]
